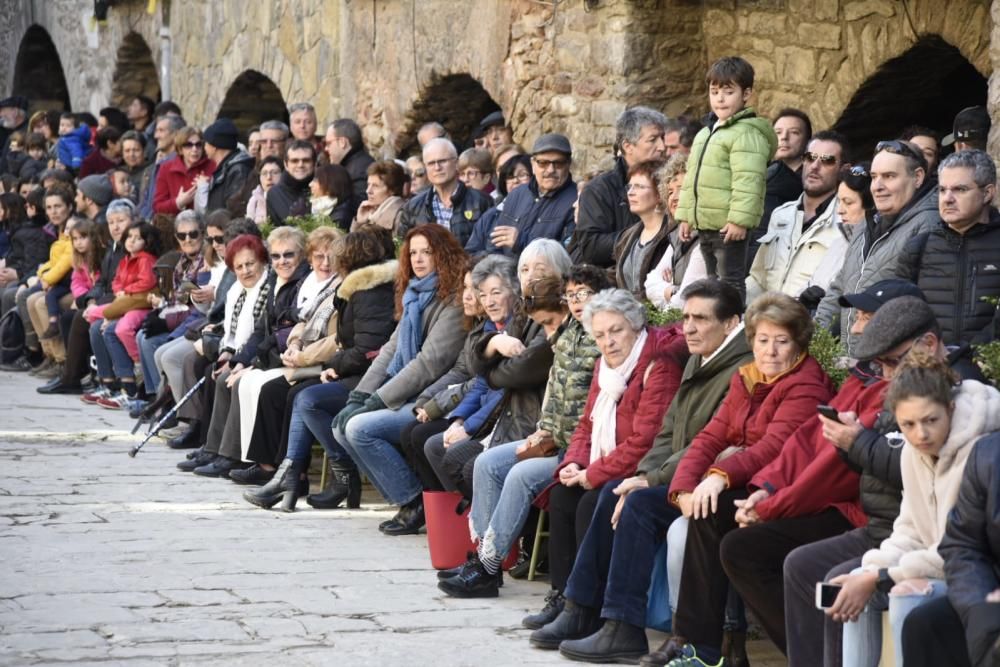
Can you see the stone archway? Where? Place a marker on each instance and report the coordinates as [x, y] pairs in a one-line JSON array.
[[135, 72], [926, 85], [252, 99], [38, 71], [457, 101]]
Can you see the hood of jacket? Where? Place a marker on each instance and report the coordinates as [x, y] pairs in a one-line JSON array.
[[367, 277], [977, 412], [762, 125]]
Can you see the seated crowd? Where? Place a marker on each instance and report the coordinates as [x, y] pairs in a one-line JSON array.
[[479, 323]]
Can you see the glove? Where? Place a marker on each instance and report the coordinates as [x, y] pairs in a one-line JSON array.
[[811, 296], [373, 403], [355, 405]]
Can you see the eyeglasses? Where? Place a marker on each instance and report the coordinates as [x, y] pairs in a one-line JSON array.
[[184, 236], [824, 158], [554, 164], [472, 173], [520, 177], [218, 240], [193, 144], [439, 164], [637, 186], [897, 147], [288, 255], [893, 362], [299, 160], [419, 173], [578, 296]]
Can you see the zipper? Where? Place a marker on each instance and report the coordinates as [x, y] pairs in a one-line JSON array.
[[697, 173], [963, 262]]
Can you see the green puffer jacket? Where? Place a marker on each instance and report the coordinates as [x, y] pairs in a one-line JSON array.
[[727, 173], [569, 382]]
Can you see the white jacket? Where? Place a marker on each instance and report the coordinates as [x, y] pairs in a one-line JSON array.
[[788, 258], [930, 489]]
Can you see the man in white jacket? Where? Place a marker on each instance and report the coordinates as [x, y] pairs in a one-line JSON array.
[[802, 232]]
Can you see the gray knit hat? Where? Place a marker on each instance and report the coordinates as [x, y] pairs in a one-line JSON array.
[[897, 321]]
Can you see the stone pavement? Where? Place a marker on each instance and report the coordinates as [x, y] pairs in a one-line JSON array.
[[113, 560]]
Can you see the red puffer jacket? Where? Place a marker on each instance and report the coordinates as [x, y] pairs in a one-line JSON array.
[[174, 176], [757, 416], [809, 475], [640, 410], [135, 275]]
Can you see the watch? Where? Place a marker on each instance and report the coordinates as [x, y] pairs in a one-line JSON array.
[[884, 583]]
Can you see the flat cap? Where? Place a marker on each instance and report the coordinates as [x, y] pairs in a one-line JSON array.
[[17, 101], [552, 142], [897, 321]]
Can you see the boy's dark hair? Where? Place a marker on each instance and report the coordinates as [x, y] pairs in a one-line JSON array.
[[36, 199], [919, 131], [589, 275], [731, 69], [35, 140], [165, 107], [70, 116], [116, 118], [88, 118], [790, 112], [149, 234], [728, 302], [837, 138], [108, 135]]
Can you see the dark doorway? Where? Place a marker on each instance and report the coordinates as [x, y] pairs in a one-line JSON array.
[[457, 101], [252, 99], [38, 72], [927, 85], [135, 72]]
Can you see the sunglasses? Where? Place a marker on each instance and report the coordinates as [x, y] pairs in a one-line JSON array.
[[897, 147], [193, 144], [824, 158], [287, 255], [219, 240], [545, 164], [184, 236]]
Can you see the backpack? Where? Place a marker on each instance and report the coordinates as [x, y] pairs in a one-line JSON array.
[[11, 336]]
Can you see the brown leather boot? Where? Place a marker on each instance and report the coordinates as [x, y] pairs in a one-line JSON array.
[[669, 650]]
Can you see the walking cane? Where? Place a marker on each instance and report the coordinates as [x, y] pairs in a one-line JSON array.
[[156, 429]]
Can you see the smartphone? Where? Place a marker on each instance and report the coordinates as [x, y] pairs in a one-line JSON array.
[[826, 595], [829, 412]]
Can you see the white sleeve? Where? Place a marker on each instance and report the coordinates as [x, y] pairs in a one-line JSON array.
[[655, 285]]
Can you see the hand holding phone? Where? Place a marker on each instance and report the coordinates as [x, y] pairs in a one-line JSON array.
[[829, 412], [826, 594]]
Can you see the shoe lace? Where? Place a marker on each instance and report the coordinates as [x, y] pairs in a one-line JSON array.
[[551, 600]]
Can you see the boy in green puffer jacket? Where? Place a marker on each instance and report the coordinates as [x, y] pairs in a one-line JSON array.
[[723, 192]]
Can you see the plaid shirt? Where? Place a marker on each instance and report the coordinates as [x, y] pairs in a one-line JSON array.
[[441, 212]]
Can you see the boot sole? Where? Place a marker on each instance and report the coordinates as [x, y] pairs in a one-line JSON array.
[[266, 503], [463, 593], [546, 644], [620, 657]]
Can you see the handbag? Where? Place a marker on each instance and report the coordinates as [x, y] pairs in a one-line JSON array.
[[538, 448]]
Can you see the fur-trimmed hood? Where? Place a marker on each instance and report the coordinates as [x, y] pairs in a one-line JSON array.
[[367, 278]]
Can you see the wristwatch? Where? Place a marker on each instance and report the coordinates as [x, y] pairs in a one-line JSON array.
[[884, 583]]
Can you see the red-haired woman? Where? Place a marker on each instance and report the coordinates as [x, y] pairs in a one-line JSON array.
[[423, 347]]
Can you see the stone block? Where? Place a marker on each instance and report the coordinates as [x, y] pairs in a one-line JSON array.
[[816, 10], [560, 83], [590, 86], [819, 35], [606, 112], [863, 8], [563, 105], [795, 65], [767, 23]]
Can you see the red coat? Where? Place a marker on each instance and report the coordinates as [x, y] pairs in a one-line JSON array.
[[135, 275], [760, 420], [810, 475], [173, 177], [640, 411]]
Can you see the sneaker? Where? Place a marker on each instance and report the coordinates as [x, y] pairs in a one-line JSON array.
[[689, 658], [94, 397], [19, 365], [51, 332], [120, 401], [51, 373]]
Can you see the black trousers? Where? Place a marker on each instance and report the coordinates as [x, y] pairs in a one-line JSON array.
[[725, 261], [269, 441], [411, 440], [753, 558], [459, 463], [77, 349], [933, 635], [571, 509]]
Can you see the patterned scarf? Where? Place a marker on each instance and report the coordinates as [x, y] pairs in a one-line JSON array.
[[419, 293], [317, 315], [258, 306]]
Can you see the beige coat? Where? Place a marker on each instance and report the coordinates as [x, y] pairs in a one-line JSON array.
[[384, 216]]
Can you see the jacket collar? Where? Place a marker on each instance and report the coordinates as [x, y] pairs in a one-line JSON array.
[[367, 277]]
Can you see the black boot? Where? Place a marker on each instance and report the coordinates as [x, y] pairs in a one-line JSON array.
[[616, 641], [200, 458], [189, 439], [554, 603], [473, 581], [284, 486], [409, 520], [345, 485], [574, 622]]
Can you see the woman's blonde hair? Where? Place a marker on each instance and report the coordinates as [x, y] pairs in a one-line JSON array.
[[326, 237], [783, 311]]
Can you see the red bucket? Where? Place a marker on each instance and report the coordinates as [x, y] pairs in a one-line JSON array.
[[448, 533]]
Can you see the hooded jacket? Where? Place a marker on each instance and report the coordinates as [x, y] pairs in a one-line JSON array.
[[872, 255], [73, 147], [229, 178], [955, 272], [727, 171], [930, 489], [172, 177], [60, 261], [639, 412], [757, 416], [467, 205], [604, 215]]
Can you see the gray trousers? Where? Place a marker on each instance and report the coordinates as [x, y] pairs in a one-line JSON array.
[[224, 429], [812, 637], [169, 360]]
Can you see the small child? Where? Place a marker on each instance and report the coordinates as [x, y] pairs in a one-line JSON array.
[[74, 142], [88, 249], [16, 157], [38, 157], [723, 192]]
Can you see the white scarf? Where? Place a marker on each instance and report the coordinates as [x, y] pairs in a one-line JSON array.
[[612, 382]]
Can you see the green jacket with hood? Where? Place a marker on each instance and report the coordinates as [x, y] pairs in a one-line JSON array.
[[727, 173]]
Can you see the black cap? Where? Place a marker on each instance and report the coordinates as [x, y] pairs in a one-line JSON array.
[[879, 294], [552, 142], [971, 124], [495, 118], [18, 101], [894, 323]]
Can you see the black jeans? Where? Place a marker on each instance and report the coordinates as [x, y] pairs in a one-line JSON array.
[[933, 635], [269, 441], [411, 441], [813, 637], [753, 558], [570, 511], [614, 565], [725, 261]]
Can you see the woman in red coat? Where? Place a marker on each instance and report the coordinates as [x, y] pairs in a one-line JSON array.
[[634, 381], [177, 179], [767, 401]]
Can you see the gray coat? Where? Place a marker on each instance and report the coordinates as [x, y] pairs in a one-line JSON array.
[[867, 263], [445, 393], [442, 342]]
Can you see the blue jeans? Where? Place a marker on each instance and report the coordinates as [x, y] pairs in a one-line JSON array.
[[614, 565], [312, 414], [504, 490], [370, 439], [147, 359], [122, 363], [105, 368], [52, 297], [863, 638]]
